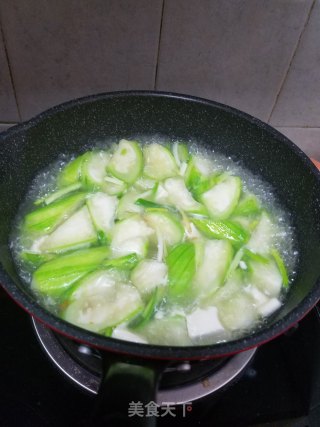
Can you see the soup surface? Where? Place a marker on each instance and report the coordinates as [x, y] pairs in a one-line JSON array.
[[155, 242]]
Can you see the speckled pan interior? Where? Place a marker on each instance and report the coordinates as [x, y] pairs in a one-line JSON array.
[[68, 128]]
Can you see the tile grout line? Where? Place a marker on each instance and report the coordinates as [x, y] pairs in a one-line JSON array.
[[158, 51], [9, 67], [291, 61], [297, 127]]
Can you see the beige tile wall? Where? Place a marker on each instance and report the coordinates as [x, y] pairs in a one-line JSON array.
[[260, 56]]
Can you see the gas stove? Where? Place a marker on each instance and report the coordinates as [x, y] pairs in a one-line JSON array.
[[48, 380]]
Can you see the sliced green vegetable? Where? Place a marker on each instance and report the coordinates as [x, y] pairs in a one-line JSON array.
[[199, 176], [54, 277], [249, 205], [212, 269], [281, 266], [35, 259], [131, 235], [165, 224], [148, 275], [235, 262], [114, 186], [180, 152], [144, 184], [77, 231], [47, 218], [179, 196], [221, 230], [102, 208], [149, 204], [93, 169], [249, 223], [128, 204], [127, 262], [171, 330], [233, 285], [266, 277], [159, 162], [223, 197], [58, 194], [253, 256], [127, 161], [183, 152], [238, 312], [181, 268], [99, 301], [148, 311], [71, 173], [262, 237]]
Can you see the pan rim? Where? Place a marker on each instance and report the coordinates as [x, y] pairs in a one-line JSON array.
[[147, 350]]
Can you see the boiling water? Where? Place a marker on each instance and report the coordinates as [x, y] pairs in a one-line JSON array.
[[44, 184]]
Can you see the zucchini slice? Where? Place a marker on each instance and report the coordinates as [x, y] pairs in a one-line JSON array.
[[102, 208], [45, 219], [248, 205], [54, 277], [171, 330], [266, 277], [124, 263], [127, 204], [238, 312], [159, 162], [71, 172], [99, 301], [262, 238], [148, 275], [114, 186], [281, 266], [199, 176], [181, 262], [166, 225], [216, 258], [93, 169], [179, 196], [131, 235], [223, 197], [221, 230], [148, 311], [58, 194], [127, 161], [143, 184], [76, 232], [180, 153]]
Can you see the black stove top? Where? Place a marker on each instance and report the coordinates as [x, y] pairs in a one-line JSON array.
[[280, 386]]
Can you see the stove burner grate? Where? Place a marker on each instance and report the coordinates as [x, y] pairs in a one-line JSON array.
[[181, 382]]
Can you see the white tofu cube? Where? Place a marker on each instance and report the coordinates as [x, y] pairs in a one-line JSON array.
[[268, 308], [258, 296], [204, 322], [122, 333]]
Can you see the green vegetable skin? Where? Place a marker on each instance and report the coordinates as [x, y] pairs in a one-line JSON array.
[[54, 277], [221, 230], [153, 227], [71, 173], [47, 218], [181, 268]]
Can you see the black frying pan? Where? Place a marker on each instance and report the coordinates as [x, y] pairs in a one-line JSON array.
[[29, 147]]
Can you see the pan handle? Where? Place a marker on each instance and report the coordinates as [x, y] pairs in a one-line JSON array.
[[127, 386]]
